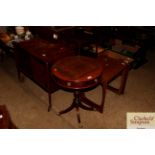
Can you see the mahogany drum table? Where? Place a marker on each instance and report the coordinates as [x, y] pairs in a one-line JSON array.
[[78, 74]]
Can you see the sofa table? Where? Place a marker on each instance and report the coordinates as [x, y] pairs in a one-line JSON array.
[[114, 65], [34, 59]]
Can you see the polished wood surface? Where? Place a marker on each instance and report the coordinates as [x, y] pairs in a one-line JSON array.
[[35, 57], [114, 65], [47, 51], [5, 119], [76, 74]]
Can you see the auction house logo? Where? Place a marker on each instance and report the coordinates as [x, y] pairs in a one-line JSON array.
[[141, 120]]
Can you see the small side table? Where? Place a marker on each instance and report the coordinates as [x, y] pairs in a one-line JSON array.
[[114, 65], [5, 120], [78, 74]]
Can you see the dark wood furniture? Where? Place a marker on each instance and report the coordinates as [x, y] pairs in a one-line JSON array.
[[5, 119], [35, 57], [46, 32], [114, 65], [104, 36], [77, 35], [77, 74]]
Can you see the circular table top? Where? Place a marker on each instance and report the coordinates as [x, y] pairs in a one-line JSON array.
[[77, 72]]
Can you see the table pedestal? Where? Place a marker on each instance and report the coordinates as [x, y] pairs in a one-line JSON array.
[[78, 74], [81, 101]]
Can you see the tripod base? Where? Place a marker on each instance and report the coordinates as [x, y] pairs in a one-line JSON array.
[[81, 101]]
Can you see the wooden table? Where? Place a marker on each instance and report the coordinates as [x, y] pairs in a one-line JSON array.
[[78, 74], [114, 65], [34, 59]]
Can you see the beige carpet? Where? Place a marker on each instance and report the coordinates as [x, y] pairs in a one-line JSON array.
[[28, 103]]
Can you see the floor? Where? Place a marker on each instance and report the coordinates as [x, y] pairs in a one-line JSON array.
[[27, 103]]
